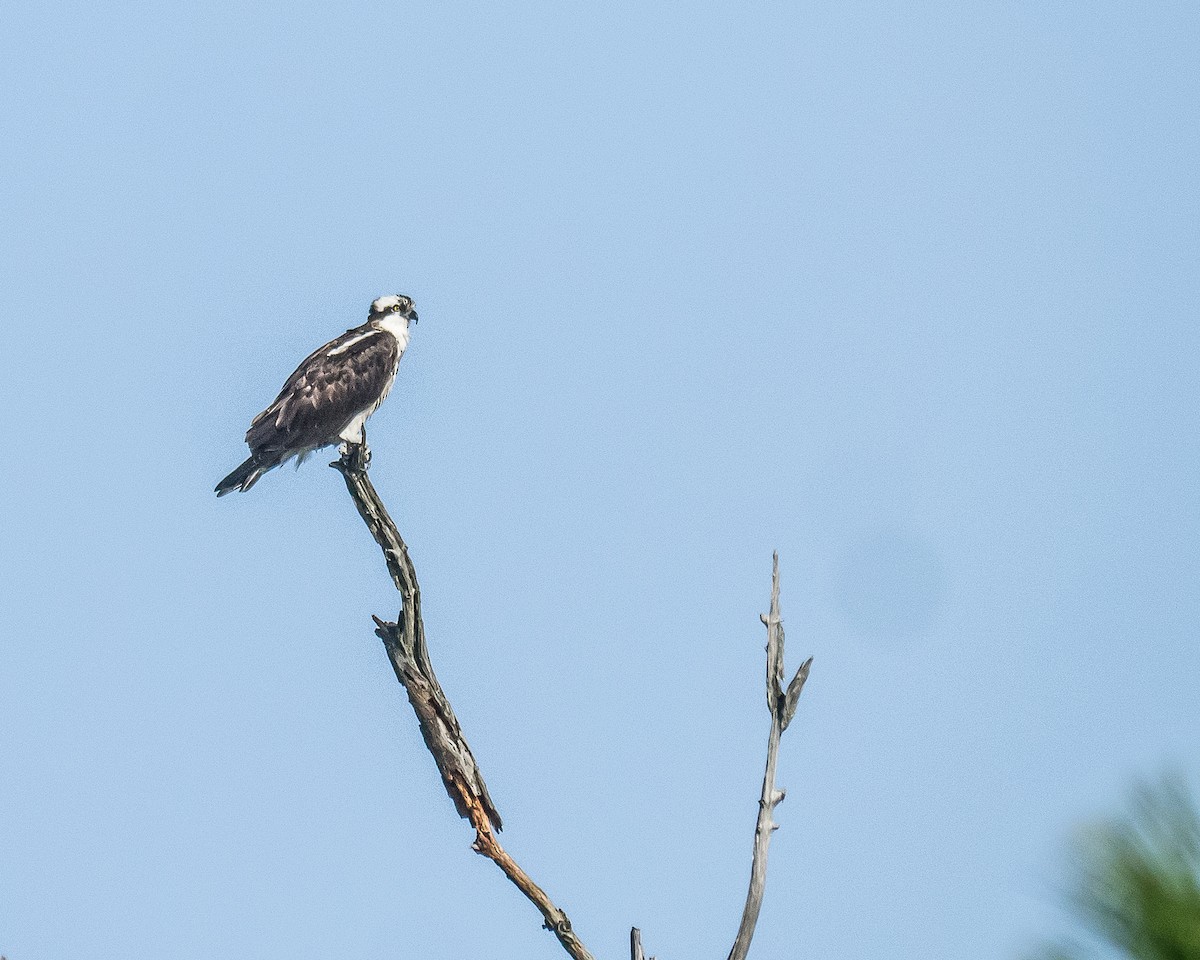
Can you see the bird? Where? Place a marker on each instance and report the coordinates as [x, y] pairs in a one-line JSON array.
[[329, 397]]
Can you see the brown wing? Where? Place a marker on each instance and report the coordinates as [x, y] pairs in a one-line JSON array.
[[328, 390]]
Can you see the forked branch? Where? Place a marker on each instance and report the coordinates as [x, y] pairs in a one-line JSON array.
[[782, 705], [404, 642]]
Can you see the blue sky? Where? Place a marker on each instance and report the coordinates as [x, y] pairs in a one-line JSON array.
[[906, 292]]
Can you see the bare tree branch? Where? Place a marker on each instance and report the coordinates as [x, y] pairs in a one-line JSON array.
[[405, 645], [635, 945], [404, 642], [782, 706]]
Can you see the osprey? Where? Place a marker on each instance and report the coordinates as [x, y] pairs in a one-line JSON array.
[[330, 395]]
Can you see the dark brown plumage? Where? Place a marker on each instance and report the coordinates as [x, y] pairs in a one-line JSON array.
[[329, 396], [325, 393]]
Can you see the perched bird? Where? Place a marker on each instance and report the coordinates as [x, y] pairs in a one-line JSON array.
[[329, 397]]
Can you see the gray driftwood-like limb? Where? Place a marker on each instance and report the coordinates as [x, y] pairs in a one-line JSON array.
[[635, 945], [405, 645], [782, 705]]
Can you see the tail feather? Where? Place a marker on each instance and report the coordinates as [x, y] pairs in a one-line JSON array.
[[244, 477]]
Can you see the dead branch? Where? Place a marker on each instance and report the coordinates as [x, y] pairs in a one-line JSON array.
[[782, 705], [404, 642], [405, 645]]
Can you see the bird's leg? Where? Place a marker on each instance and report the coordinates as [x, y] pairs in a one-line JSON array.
[[363, 452]]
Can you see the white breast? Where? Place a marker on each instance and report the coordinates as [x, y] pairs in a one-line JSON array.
[[396, 325]]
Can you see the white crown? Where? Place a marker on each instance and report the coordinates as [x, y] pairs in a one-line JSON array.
[[384, 304]]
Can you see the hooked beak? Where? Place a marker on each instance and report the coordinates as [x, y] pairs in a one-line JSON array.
[[412, 315]]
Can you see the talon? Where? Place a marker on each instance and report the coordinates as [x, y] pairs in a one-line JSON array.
[[355, 456]]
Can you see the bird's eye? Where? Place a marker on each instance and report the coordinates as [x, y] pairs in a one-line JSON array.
[[395, 308]]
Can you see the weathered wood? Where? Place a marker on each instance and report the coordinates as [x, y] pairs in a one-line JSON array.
[[404, 642], [782, 706]]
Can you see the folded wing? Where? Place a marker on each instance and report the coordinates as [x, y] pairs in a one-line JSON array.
[[346, 377]]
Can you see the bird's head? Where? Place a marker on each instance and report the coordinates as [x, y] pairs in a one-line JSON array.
[[395, 308]]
